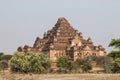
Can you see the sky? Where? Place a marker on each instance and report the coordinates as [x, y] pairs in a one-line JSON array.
[[21, 21]]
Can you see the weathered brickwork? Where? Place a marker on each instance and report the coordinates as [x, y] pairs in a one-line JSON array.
[[64, 40]]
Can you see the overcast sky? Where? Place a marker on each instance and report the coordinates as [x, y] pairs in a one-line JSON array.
[[21, 21]]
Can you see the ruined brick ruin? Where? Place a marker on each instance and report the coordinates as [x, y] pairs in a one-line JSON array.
[[64, 40]]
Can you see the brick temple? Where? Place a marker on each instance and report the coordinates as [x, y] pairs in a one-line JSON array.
[[64, 40]]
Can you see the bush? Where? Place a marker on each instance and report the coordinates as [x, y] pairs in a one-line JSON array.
[[91, 58], [3, 65], [108, 68], [1, 53], [83, 65], [64, 64], [115, 54], [86, 67], [29, 62], [5, 57]]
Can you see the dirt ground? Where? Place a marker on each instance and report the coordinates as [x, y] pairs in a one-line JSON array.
[[9, 76]]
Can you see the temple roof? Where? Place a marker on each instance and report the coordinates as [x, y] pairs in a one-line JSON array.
[[61, 36], [62, 20]]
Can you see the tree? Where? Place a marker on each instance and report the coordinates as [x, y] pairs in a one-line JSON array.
[[1, 53], [91, 58], [64, 64], [5, 57], [3, 65], [86, 67], [114, 54], [77, 68], [116, 66], [106, 63], [116, 44], [29, 62]]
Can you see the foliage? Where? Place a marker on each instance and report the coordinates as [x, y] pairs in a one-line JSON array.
[[64, 64], [29, 62], [86, 67], [102, 61], [115, 43], [4, 60], [1, 53], [87, 59], [91, 58], [108, 68], [114, 54], [116, 65], [3, 64], [84, 64], [5, 57]]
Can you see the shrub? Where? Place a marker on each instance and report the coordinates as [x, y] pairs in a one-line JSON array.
[[29, 62], [3, 64], [1, 53], [5, 57], [91, 58], [86, 67], [64, 64], [108, 68]]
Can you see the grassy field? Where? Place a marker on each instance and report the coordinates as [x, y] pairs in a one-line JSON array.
[[9, 76]]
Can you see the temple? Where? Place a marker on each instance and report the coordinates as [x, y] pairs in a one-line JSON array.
[[64, 40]]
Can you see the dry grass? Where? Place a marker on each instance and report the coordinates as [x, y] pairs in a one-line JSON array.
[[9, 76]]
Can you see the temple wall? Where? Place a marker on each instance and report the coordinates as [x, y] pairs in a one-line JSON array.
[[55, 54]]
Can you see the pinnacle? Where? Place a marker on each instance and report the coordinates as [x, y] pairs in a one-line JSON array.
[[62, 20]]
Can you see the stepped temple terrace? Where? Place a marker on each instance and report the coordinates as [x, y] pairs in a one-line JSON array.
[[64, 40]]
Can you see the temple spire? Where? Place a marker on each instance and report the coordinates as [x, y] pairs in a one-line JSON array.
[[62, 21]]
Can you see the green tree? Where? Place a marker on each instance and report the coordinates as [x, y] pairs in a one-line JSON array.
[[29, 62], [116, 44], [108, 68], [115, 54], [64, 64], [5, 57], [86, 67], [91, 58], [116, 66], [78, 64]]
